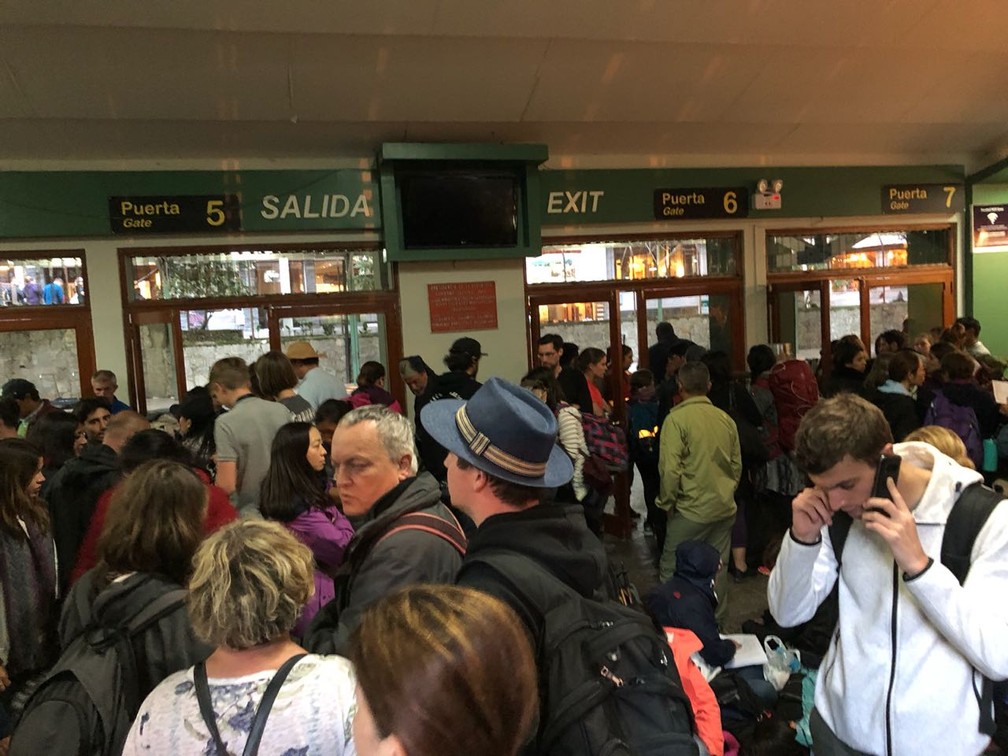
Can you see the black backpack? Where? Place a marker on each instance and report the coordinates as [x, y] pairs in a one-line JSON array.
[[88, 700], [608, 683], [966, 519]]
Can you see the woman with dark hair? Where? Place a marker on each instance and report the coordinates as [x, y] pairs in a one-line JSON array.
[[593, 364], [570, 433], [477, 649], [294, 493], [60, 436], [145, 553], [371, 387], [277, 381], [850, 358], [28, 587], [895, 396], [960, 387], [145, 446], [196, 415]]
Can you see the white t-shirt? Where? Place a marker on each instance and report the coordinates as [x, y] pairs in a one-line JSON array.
[[312, 713]]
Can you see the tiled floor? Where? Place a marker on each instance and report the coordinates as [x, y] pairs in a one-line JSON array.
[[746, 600]]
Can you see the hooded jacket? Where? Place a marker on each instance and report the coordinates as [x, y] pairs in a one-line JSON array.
[[375, 566], [688, 600], [556, 538], [900, 672], [72, 499]]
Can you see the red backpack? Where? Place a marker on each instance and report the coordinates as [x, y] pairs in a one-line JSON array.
[[795, 391]]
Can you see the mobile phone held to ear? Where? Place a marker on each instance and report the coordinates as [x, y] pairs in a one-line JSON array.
[[889, 467]]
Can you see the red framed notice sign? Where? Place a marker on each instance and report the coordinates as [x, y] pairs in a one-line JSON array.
[[469, 306]]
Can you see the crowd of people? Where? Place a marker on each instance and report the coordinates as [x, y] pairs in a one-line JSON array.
[[279, 563]]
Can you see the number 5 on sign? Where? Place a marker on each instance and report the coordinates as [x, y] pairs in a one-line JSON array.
[[730, 203], [215, 212]]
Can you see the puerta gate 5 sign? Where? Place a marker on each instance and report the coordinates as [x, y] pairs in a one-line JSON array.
[[174, 214], [693, 203]]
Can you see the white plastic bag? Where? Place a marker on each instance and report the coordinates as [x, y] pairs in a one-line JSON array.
[[781, 661]]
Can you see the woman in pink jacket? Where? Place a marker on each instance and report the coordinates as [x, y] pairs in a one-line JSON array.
[[294, 493]]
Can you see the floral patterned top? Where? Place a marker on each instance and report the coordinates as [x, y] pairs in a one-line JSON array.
[[311, 715]]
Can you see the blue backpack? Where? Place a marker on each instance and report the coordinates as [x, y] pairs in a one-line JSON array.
[[960, 420]]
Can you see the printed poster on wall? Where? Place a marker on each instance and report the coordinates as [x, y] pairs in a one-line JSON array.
[[468, 306], [990, 228]]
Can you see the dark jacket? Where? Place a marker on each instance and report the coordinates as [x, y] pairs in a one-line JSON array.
[[967, 394], [166, 647], [427, 448], [374, 567], [900, 412], [455, 384], [555, 537], [844, 379], [72, 499], [575, 388], [687, 600]]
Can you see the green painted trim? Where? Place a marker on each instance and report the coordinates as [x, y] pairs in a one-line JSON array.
[[518, 153], [74, 204], [587, 197]]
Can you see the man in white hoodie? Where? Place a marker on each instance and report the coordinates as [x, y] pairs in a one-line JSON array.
[[904, 668]]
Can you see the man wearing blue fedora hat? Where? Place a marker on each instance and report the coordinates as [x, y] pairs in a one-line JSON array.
[[502, 454]]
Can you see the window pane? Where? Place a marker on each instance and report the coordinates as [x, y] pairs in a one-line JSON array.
[[845, 308], [799, 316], [343, 342], [244, 273], [876, 249], [634, 260], [46, 358], [42, 281], [705, 319], [208, 335], [158, 364]]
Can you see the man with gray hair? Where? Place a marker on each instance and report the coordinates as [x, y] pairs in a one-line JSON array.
[[700, 463], [404, 535]]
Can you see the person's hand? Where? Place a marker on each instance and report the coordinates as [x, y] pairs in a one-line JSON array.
[[4, 679], [809, 512], [5, 746], [894, 522]]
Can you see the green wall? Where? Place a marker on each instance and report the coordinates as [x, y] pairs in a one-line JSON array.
[[990, 279]]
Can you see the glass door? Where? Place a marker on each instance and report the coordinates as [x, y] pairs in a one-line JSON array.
[[155, 341]]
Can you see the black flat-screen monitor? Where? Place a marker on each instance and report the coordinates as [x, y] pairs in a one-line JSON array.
[[458, 208]]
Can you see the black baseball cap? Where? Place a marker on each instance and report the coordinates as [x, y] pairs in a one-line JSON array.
[[467, 346]]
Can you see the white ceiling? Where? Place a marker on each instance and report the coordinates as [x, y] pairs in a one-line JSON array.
[[602, 82]]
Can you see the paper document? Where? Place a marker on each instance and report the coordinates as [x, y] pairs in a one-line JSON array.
[[750, 651], [1000, 391]]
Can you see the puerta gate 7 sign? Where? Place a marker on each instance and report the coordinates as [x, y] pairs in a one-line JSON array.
[[692, 203], [175, 214]]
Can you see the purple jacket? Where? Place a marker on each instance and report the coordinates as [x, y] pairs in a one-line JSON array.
[[326, 532]]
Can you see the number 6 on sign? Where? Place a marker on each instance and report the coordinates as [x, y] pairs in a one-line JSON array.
[[730, 203], [215, 212]]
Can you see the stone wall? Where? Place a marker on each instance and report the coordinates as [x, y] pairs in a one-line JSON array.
[[46, 358]]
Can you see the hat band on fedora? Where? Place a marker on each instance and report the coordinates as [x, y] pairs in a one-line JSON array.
[[480, 445]]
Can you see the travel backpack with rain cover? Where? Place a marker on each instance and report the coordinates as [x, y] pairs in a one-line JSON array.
[[959, 419], [608, 683], [795, 392]]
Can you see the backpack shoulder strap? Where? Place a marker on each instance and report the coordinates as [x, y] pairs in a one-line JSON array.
[[969, 514], [262, 710], [838, 534], [433, 524]]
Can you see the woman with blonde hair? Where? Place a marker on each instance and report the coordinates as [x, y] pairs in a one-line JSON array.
[[945, 441], [250, 580], [442, 671]]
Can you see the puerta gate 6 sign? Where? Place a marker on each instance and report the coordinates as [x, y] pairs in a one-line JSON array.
[[693, 203]]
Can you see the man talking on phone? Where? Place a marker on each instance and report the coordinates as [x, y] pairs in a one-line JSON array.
[[904, 671]]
